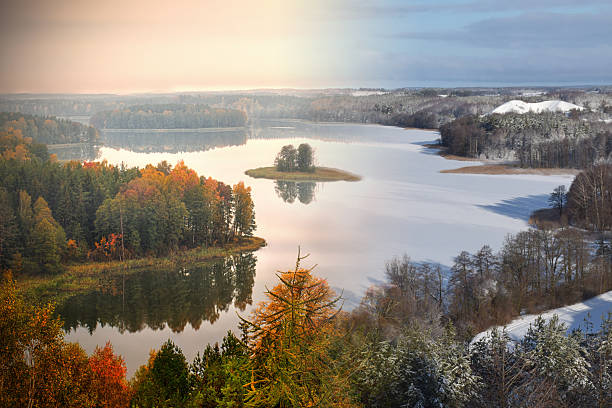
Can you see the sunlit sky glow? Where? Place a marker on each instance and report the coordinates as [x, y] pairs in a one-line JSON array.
[[124, 46]]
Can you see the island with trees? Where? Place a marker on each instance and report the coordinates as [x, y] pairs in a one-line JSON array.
[[293, 164]]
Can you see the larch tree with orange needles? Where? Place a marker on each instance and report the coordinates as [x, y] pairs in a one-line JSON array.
[[290, 339]]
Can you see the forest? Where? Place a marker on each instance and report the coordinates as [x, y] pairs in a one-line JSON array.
[[48, 129], [168, 116], [54, 213], [423, 108], [533, 140], [406, 344]]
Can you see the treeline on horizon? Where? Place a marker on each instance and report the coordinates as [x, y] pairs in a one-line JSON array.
[[52, 213], [545, 140], [168, 116], [47, 129], [534, 140], [427, 108]]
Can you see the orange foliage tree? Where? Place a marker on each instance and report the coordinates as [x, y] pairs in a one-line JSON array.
[[290, 338], [107, 248], [37, 368], [109, 387], [183, 178]]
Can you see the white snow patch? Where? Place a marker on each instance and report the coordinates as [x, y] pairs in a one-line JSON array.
[[574, 316], [368, 93], [521, 107], [532, 93]]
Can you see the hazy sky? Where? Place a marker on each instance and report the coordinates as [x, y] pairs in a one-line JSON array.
[[124, 46]]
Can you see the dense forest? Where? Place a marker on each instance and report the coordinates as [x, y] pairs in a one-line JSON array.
[[168, 116], [47, 129], [534, 140], [53, 213]]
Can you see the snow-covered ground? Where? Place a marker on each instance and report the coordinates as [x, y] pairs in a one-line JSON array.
[[521, 107], [574, 316]]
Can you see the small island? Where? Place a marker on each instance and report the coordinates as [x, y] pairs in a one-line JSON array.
[[293, 164]]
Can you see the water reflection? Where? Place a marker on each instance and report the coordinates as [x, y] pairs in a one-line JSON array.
[[74, 151], [173, 141], [304, 191], [156, 298]]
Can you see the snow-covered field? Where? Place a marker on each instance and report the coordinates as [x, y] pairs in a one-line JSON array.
[[574, 317], [521, 107]]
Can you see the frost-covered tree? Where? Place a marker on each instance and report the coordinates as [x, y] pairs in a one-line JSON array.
[[556, 371], [416, 370]]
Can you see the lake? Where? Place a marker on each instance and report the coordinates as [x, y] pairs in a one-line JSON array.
[[402, 205]]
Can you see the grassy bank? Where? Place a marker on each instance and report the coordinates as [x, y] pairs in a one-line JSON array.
[[86, 276], [498, 169], [320, 174]]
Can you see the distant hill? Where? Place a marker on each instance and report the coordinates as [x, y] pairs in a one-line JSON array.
[[516, 106]]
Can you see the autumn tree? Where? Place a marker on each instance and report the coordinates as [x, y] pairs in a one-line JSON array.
[[289, 341], [109, 386], [38, 368], [244, 216]]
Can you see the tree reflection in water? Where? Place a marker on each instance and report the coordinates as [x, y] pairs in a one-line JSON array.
[[304, 191], [155, 298]]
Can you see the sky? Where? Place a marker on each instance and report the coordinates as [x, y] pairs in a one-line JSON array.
[[130, 46]]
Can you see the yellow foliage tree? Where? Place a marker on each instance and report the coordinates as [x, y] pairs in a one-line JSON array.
[[290, 339]]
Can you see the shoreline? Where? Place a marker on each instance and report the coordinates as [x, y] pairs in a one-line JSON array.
[[82, 277], [320, 174], [505, 169], [492, 168]]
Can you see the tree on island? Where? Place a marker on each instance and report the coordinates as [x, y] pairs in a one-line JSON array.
[[305, 158], [289, 159]]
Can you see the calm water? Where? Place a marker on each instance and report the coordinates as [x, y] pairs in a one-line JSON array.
[[402, 205]]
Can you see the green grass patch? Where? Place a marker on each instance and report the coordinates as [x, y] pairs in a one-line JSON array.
[[320, 174]]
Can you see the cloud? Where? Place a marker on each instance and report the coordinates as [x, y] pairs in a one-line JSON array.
[[528, 31], [365, 9], [547, 67]]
